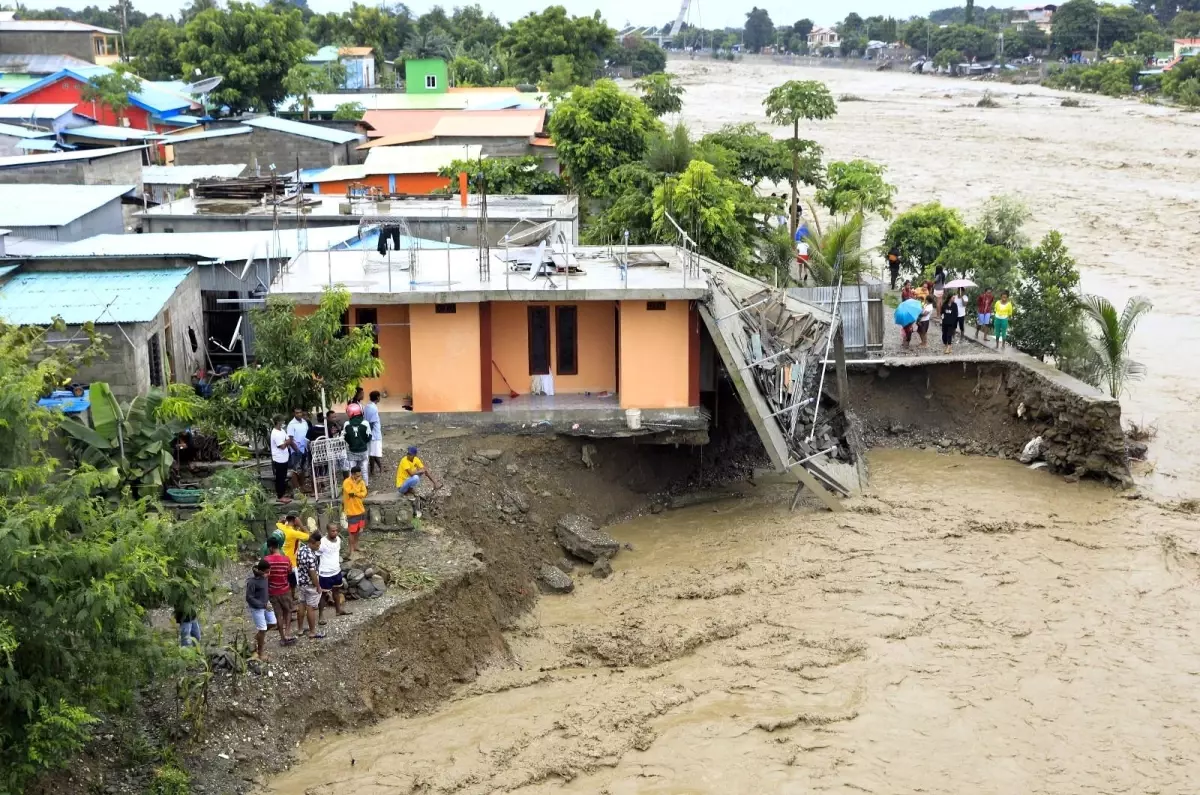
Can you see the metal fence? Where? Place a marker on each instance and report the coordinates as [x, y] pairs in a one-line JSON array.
[[861, 311]]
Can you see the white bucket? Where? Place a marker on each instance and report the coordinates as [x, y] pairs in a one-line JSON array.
[[633, 419]]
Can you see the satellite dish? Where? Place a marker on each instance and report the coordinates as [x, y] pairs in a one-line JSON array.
[[201, 87]]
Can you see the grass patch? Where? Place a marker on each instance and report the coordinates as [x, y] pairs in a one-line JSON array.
[[1141, 433], [1071, 102], [414, 580], [987, 101], [851, 98]]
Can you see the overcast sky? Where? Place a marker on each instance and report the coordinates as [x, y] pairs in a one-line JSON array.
[[709, 13]]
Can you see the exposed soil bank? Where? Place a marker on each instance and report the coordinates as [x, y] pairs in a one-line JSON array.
[[992, 406]]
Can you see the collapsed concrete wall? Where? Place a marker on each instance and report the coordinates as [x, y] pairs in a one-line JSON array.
[[991, 406]]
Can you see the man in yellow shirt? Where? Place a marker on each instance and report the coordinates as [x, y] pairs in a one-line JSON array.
[[354, 489], [409, 473], [1002, 313]]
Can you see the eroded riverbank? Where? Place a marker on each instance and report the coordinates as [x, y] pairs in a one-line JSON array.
[[972, 626]]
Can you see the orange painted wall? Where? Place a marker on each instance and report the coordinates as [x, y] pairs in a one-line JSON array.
[[394, 351], [654, 356], [405, 183], [445, 359], [597, 347]]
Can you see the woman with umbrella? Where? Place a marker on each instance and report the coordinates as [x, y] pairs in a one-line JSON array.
[[906, 318], [960, 303]]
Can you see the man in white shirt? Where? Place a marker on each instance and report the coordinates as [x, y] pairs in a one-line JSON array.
[[281, 453], [329, 569]]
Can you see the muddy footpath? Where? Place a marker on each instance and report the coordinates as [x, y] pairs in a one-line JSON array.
[[969, 625]]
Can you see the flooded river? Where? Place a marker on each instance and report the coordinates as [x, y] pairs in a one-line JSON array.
[[969, 626]]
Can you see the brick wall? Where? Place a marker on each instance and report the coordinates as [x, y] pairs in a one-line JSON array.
[[78, 44], [124, 168], [264, 147]]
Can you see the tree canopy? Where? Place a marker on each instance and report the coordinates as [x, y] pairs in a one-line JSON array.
[[661, 94], [856, 187], [920, 234], [252, 48], [534, 40], [598, 129], [759, 30]]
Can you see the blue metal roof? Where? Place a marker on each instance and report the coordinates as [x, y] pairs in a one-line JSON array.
[[149, 98], [23, 132], [99, 296], [38, 144], [332, 135], [370, 240], [7, 269]]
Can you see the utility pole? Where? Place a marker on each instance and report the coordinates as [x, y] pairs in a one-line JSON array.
[[1098, 18]]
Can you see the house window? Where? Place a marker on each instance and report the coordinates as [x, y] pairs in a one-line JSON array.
[[566, 319], [656, 306], [445, 309], [154, 349], [539, 340], [369, 317], [431, 81]]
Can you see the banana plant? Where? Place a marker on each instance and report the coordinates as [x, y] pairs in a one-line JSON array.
[[137, 440]]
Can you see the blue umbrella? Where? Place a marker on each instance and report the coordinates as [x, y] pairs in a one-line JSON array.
[[908, 312]]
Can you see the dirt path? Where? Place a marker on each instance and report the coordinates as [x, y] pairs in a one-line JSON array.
[[895, 648], [1119, 179]]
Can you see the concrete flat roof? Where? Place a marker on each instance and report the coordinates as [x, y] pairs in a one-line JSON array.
[[453, 276], [509, 208]]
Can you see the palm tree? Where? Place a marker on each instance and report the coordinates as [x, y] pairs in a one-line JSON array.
[[432, 44], [669, 153], [1107, 358], [838, 247]]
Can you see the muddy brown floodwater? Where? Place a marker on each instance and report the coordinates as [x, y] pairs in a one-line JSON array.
[[972, 627], [968, 626]]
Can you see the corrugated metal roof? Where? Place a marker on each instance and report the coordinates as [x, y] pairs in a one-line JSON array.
[[355, 51], [206, 246], [39, 64], [459, 123], [7, 269], [100, 296], [60, 157], [186, 175], [396, 140], [220, 133], [38, 144], [14, 131], [148, 97], [328, 103], [417, 159], [332, 174], [104, 132], [31, 111], [333, 136], [53, 205], [51, 26], [324, 55], [10, 83]]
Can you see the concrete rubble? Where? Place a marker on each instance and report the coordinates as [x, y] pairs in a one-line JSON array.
[[579, 536], [553, 580]]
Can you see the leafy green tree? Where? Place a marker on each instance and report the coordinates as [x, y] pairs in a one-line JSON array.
[[837, 251], [1144, 44], [153, 49], [641, 56], [303, 80], [759, 30], [303, 360], [561, 78], [970, 255], [1002, 221], [384, 28], [112, 90], [426, 44], [1075, 26], [80, 568], [1182, 83], [705, 206], [1047, 298], [661, 94], [969, 17], [802, 27], [947, 59], [760, 157], [1186, 24], [786, 105], [535, 39], [858, 187], [669, 153], [631, 210], [349, 111], [1107, 361], [506, 176], [970, 40], [917, 33], [1029, 40], [920, 234], [598, 129], [473, 28], [467, 71], [252, 47]]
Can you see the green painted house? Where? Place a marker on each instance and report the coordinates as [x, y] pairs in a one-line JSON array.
[[426, 76]]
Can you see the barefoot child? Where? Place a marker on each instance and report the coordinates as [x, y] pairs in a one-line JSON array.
[[354, 489], [258, 601]]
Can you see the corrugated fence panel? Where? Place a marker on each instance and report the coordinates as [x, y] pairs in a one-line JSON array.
[[862, 313]]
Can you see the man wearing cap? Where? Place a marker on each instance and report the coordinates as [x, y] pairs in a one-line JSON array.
[[409, 473], [358, 440]]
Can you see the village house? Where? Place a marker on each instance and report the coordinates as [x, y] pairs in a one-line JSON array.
[[151, 107], [1041, 16], [232, 270], [1182, 47], [429, 217], [359, 63], [819, 38], [391, 170], [267, 141], [498, 133], [150, 319], [110, 166], [20, 71], [89, 43], [38, 217], [594, 331]]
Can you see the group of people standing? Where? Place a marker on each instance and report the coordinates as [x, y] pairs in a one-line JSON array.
[[951, 310]]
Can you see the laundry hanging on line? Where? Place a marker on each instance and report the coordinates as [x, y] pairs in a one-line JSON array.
[[386, 232]]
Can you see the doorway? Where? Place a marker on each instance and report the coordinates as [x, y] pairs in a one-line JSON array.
[[539, 340]]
